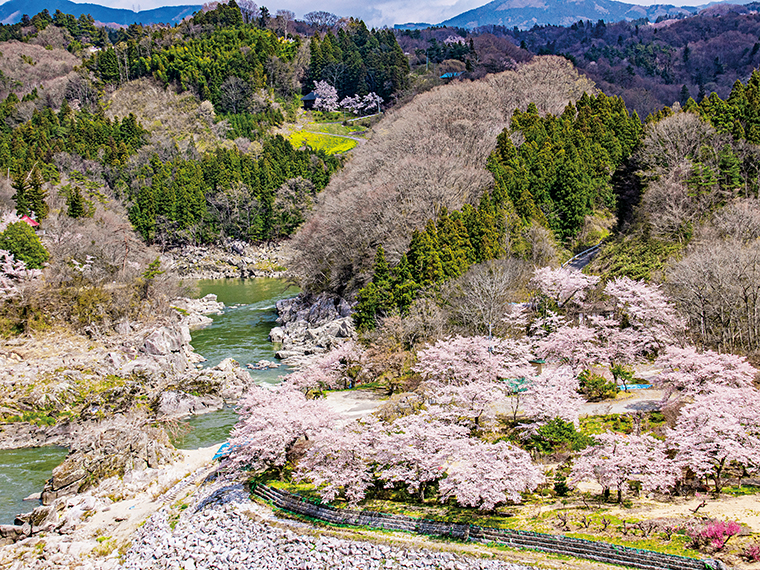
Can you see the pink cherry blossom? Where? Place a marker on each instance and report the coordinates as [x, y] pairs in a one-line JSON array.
[[719, 427], [273, 421], [619, 458], [460, 360]]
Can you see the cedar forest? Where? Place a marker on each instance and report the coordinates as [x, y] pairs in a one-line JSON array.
[[450, 229]]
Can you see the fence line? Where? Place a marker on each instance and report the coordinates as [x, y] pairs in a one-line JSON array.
[[557, 544]]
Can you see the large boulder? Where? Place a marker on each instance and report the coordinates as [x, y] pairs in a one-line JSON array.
[[164, 341], [176, 403]]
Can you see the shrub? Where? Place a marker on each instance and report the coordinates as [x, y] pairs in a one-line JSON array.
[[558, 435], [715, 534], [596, 387], [21, 240], [751, 552]]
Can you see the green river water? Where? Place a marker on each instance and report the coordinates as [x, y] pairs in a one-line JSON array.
[[241, 332]]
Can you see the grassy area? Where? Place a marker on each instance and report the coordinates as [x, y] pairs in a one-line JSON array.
[[325, 142], [335, 128], [536, 515]]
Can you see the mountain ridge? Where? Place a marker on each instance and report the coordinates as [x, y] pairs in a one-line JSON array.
[[527, 13], [12, 11]]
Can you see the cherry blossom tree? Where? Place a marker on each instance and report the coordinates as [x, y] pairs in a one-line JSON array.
[[687, 372], [327, 97], [468, 405], [619, 458], [414, 449], [13, 274], [648, 311], [272, 422], [484, 475], [563, 285], [340, 462], [577, 346], [460, 360], [553, 394], [333, 370], [719, 427]]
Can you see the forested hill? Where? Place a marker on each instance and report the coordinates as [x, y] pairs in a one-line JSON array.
[[650, 65], [12, 11]]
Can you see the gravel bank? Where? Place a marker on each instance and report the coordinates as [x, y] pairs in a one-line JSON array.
[[219, 532]]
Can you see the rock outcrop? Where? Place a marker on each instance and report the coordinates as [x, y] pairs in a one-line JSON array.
[[106, 449], [235, 259], [311, 325]]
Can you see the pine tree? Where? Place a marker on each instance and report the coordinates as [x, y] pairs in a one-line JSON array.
[[20, 197], [75, 203]]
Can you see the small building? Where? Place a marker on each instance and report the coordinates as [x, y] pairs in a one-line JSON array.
[[451, 74], [30, 221], [309, 100]]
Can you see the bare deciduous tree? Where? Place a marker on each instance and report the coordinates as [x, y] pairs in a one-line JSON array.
[[481, 296]]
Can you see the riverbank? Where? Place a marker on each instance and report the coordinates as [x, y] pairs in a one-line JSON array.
[[232, 260]]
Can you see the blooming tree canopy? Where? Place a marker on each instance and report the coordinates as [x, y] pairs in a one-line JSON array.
[[553, 394], [687, 372], [327, 97], [329, 371], [13, 273], [272, 423], [484, 475], [460, 360], [619, 458], [563, 285], [719, 427]]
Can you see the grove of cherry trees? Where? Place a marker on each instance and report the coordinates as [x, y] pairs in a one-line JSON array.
[[464, 435]]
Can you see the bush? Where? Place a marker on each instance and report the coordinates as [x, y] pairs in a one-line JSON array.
[[558, 435], [21, 240], [596, 387]]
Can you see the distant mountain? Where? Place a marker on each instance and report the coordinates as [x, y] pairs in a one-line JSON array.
[[12, 11], [412, 26], [526, 13]]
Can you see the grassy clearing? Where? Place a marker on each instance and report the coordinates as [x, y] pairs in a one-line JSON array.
[[335, 128], [325, 142]]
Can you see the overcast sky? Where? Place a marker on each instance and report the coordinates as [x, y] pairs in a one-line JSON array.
[[373, 12]]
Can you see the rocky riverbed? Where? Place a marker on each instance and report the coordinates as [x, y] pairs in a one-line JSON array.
[[311, 324], [224, 530], [233, 259]]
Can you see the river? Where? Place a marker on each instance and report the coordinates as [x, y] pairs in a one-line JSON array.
[[241, 332]]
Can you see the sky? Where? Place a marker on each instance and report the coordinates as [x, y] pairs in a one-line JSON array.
[[375, 13]]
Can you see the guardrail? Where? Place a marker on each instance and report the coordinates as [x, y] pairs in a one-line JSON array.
[[556, 544]]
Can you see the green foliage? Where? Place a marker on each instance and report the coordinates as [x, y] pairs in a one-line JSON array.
[[229, 192], [21, 240], [637, 257], [358, 61], [77, 206], [252, 126], [29, 147], [561, 171], [596, 387], [558, 435]]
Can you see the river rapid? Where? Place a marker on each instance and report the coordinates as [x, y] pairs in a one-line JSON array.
[[241, 332]]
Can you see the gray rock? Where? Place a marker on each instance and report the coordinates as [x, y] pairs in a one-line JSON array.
[[164, 341]]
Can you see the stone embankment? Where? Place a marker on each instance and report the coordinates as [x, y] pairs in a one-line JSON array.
[[234, 259], [220, 532], [311, 324]]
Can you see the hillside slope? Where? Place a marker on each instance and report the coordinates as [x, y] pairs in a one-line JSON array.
[[429, 154]]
